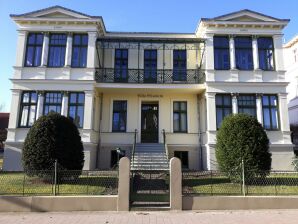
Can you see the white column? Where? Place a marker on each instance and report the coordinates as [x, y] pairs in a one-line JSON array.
[[278, 52], [45, 50], [21, 48], [14, 108], [40, 101], [88, 110], [283, 112], [209, 52], [255, 52], [232, 53], [68, 51], [64, 107], [91, 54], [259, 108], [234, 103]]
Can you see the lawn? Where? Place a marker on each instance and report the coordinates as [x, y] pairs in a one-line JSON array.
[[19, 184], [221, 185]]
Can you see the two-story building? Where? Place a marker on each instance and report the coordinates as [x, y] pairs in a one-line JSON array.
[[128, 88]]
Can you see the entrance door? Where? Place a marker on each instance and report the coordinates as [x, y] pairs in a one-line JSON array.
[[149, 129]]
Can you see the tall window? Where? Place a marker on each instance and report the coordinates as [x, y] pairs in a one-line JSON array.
[[119, 116], [270, 112], [223, 107], [180, 116], [266, 53], [243, 51], [247, 104], [179, 65], [57, 48], [28, 109], [53, 102], [76, 108], [221, 53], [183, 156], [79, 50], [121, 65], [150, 66], [34, 50]]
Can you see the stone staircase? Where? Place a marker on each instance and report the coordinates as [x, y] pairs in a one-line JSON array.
[[149, 156]]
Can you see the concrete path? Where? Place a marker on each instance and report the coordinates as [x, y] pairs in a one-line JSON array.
[[218, 217]]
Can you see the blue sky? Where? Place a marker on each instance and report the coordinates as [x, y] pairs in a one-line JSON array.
[[137, 15]]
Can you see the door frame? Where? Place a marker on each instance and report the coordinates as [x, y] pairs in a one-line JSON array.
[[147, 100]]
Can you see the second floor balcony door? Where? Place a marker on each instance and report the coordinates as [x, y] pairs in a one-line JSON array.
[[121, 65], [179, 65], [150, 66]]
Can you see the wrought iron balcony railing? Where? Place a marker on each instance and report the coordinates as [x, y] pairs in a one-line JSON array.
[[159, 76]]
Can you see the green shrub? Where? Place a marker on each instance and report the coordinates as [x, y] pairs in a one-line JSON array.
[[242, 137], [52, 137]]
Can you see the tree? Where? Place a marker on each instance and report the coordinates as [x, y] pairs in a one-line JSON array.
[[52, 137], [242, 137]]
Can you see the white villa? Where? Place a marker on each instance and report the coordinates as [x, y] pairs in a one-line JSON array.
[[291, 63], [144, 89]]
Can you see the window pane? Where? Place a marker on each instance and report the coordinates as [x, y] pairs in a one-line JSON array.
[[176, 106], [219, 117], [24, 116], [73, 98], [176, 124], [75, 57], [266, 119], [33, 97], [266, 100], [183, 122], [274, 118], [83, 57], [183, 106], [26, 97], [81, 98], [243, 51], [32, 115], [85, 39], [273, 100], [80, 116]]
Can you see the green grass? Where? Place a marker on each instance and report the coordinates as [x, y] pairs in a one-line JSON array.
[[19, 184], [221, 185]]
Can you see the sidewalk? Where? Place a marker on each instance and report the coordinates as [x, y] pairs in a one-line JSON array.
[[187, 217]]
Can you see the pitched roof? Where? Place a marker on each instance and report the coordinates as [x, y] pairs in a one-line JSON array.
[[54, 7]]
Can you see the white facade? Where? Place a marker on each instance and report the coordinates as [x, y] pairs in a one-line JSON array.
[[291, 62], [103, 85]]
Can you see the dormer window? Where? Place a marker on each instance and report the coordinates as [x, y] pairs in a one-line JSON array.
[[243, 51], [34, 50], [266, 53]]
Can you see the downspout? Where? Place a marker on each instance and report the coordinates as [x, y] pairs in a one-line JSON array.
[[200, 134], [99, 131]]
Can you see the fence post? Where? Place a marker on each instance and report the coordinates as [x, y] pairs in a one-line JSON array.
[[123, 184], [243, 178], [175, 184], [55, 177]]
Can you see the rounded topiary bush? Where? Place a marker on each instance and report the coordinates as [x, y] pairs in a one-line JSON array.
[[242, 137], [52, 137]]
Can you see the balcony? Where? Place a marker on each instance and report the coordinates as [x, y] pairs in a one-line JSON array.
[[142, 76]]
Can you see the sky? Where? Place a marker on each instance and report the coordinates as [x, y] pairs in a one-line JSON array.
[[133, 15]]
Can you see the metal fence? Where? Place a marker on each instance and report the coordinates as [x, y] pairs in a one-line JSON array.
[[219, 183], [49, 182]]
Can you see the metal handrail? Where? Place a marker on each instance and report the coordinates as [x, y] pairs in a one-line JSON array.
[[165, 143], [134, 146]]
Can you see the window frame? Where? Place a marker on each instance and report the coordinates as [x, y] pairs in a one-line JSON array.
[[273, 54], [270, 107], [76, 105], [119, 111], [249, 106], [22, 105], [34, 49], [61, 48], [180, 111], [52, 104], [179, 74], [250, 49], [223, 106], [119, 77], [80, 46], [151, 71], [221, 49]]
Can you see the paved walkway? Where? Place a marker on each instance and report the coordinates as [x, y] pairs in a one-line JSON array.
[[218, 217]]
